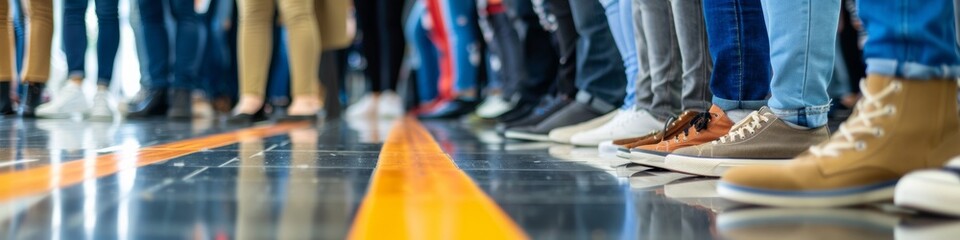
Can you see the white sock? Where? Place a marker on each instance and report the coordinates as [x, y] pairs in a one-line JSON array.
[[737, 115]]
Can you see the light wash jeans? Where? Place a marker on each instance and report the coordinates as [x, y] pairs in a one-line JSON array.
[[620, 17], [911, 40], [803, 35]]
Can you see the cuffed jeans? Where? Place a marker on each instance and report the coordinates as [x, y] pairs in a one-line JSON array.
[[75, 37], [620, 17], [190, 36], [803, 35], [911, 40], [741, 53], [600, 73]]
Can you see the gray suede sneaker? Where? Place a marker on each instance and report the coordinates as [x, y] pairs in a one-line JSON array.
[[760, 139]]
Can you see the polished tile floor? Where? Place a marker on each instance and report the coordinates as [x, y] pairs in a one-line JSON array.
[[308, 182]]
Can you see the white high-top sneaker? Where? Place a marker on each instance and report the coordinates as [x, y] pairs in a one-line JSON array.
[[67, 101], [366, 107], [103, 106], [493, 106], [627, 124], [390, 105]]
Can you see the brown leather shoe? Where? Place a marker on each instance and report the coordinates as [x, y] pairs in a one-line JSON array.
[[703, 128], [672, 129]]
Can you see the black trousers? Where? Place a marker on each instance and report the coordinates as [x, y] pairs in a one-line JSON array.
[[382, 43]]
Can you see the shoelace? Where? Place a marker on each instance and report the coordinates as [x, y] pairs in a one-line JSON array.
[[868, 109], [740, 131], [699, 122]]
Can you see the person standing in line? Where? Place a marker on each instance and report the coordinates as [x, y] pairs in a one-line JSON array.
[[160, 94], [382, 44], [70, 98], [36, 62]]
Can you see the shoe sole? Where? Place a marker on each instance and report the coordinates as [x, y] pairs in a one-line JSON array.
[[760, 217], [527, 136], [647, 159], [713, 167], [929, 195], [808, 199], [624, 154]]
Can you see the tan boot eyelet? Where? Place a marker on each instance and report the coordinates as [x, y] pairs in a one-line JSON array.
[[860, 146], [891, 110], [878, 132]]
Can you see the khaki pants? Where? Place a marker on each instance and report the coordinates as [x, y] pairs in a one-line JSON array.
[[39, 16], [307, 34]]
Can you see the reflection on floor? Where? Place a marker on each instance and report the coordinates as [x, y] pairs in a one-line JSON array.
[[309, 182]]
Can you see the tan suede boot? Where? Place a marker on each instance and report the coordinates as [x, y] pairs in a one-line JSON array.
[[899, 126]]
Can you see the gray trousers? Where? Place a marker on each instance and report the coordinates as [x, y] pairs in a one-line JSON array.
[[678, 56]]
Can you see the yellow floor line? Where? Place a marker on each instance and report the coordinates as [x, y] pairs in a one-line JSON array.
[[418, 193], [45, 178]]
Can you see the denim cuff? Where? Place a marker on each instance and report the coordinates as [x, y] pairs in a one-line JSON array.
[[594, 102], [75, 74], [911, 70], [103, 81], [728, 105], [811, 117]]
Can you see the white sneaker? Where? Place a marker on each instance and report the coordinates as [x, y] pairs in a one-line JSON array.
[[103, 106], [67, 101], [493, 106], [627, 124], [390, 105], [201, 107], [366, 107], [562, 135], [936, 191]]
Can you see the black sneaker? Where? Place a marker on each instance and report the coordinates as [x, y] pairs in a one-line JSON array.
[[6, 104], [573, 113], [452, 110], [32, 99], [549, 107]]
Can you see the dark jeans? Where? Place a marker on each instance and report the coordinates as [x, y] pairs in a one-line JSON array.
[[740, 51], [190, 36], [219, 73], [75, 37], [539, 54], [382, 43], [600, 72], [566, 36]]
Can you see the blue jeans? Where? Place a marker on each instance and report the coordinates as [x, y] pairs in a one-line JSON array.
[[424, 54], [620, 18], [75, 37], [909, 39], [460, 19], [741, 53], [219, 74], [803, 35], [600, 75], [190, 36]]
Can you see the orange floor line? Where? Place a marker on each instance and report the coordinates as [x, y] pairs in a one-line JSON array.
[[45, 178], [418, 193]]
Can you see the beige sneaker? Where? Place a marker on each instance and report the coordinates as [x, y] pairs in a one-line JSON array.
[[760, 139], [899, 126]]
